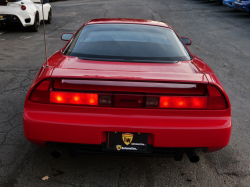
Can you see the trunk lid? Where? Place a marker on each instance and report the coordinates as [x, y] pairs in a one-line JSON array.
[[181, 72]]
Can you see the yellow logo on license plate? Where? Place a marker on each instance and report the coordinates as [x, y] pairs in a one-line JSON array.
[[118, 147], [127, 138]]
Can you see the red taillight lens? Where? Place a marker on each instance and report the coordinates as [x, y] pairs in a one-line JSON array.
[[165, 102], [41, 93], [216, 100], [183, 102], [23, 7], [180, 102], [74, 98], [213, 100], [91, 99], [198, 102]]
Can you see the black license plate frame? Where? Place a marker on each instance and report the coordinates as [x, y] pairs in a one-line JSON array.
[[119, 142]]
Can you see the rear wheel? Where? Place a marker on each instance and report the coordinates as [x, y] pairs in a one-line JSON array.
[[36, 25], [49, 17]]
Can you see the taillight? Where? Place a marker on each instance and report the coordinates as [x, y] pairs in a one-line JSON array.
[[165, 102], [185, 102], [216, 100], [23, 7], [213, 99], [41, 93], [80, 98], [73, 98]]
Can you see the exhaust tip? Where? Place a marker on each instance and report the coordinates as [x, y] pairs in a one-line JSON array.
[[193, 157], [56, 154]]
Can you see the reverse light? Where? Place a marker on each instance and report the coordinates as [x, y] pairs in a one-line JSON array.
[[105, 99], [23, 7], [152, 101]]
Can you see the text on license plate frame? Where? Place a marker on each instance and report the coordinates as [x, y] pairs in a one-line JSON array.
[[127, 142]]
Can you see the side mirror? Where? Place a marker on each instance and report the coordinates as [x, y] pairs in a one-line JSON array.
[[187, 41], [66, 36]]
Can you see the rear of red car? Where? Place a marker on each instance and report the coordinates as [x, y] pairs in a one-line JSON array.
[[122, 107]]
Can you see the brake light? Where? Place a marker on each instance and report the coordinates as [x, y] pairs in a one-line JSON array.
[[215, 100], [23, 7], [198, 102], [41, 93], [73, 98], [187, 102], [91, 99], [165, 102], [180, 102]]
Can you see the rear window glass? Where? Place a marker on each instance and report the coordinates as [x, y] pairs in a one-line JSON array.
[[128, 42]]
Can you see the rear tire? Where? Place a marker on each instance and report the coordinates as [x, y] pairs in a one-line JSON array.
[[49, 17], [36, 25]]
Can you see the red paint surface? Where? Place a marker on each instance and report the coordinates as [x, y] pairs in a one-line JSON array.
[[89, 124]]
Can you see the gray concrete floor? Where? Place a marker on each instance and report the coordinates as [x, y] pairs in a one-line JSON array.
[[220, 37]]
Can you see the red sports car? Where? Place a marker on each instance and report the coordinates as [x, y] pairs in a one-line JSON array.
[[127, 86]]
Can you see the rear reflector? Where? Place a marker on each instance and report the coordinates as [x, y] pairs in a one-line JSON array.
[[215, 100], [41, 93], [23, 7]]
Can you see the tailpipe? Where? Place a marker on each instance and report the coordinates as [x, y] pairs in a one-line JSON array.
[[193, 157], [57, 152]]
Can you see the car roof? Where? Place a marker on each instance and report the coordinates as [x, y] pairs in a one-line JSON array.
[[127, 21]]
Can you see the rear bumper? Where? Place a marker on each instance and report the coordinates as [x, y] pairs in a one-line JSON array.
[[89, 125], [22, 17], [11, 20]]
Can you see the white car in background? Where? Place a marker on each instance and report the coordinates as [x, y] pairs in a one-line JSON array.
[[26, 13]]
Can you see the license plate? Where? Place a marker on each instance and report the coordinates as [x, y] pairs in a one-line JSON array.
[[127, 142], [1, 17]]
